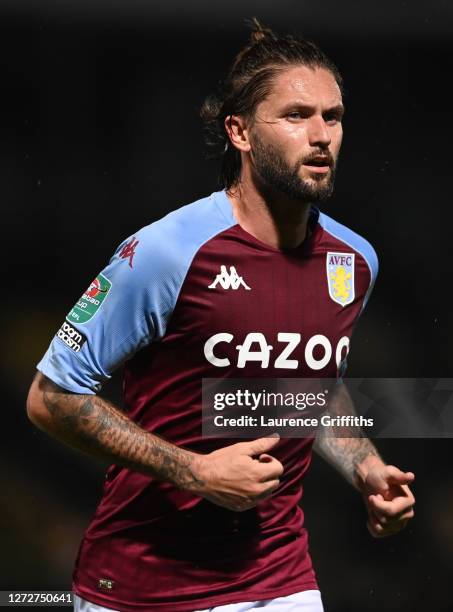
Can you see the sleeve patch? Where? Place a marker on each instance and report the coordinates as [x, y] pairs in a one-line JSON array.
[[90, 302], [71, 337]]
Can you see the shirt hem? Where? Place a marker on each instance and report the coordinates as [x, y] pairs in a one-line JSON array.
[[197, 604]]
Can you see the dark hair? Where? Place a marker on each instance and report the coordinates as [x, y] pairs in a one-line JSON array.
[[248, 82]]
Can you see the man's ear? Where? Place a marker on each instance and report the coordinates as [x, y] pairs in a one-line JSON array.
[[236, 127]]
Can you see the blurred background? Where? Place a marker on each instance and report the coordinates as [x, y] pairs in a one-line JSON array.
[[99, 135]]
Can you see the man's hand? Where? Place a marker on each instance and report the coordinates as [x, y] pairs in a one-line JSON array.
[[238, 476], [387, 496]]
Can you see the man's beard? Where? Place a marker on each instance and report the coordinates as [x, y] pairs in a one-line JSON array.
[[278, 175]]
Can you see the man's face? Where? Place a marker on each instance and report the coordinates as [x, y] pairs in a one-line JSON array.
[[296, 134]]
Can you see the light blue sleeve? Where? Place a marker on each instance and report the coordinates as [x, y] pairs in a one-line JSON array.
[[124, 309], [130, 302]]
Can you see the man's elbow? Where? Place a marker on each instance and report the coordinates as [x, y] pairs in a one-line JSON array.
[[37, 410]]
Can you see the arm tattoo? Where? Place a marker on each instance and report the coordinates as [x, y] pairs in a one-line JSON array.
[[344, 447], [95, 426]]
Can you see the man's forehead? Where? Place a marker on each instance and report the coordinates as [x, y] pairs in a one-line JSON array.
[[305, 84]]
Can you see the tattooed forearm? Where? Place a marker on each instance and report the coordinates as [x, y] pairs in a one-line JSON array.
[[344, 447], [95, 426]]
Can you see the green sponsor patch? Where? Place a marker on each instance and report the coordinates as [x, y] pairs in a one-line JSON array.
[[91, 300]]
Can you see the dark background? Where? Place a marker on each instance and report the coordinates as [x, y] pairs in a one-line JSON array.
[[99, 135]]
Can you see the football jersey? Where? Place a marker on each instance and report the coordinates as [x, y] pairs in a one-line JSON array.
[[188, 297]]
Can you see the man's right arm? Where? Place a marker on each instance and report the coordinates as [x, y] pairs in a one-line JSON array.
[[95, 426], [229, 477]]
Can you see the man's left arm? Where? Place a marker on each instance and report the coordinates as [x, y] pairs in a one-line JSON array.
[[384, 488]]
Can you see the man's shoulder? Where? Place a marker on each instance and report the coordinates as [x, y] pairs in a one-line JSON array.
[[190, 224], [174, 239], [345, 236]]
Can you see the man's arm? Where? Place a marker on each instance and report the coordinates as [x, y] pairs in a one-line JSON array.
[[229, 477], [387, 497], [351, 454], [95, 426]]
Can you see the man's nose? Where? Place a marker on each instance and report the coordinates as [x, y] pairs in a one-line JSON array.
[[318, 134]]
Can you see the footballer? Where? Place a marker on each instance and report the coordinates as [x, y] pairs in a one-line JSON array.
[[250, 281]]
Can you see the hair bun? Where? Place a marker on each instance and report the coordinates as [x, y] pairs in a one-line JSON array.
[[259, 32]]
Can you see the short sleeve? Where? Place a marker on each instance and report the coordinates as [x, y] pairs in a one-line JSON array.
[[129, 303], [123, 309]]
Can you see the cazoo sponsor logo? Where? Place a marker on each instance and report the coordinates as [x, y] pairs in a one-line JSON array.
[[256, 348]]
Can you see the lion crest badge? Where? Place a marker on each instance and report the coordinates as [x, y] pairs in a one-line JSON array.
[[340, 277]]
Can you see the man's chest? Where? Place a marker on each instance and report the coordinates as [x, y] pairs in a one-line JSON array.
[[255, 310]]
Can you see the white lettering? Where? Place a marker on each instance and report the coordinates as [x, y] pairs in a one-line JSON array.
[[282, 360], [209, 349], [91, 300], [69, 341], [245, 354], [318, 340], [72, 333], [342, 343]]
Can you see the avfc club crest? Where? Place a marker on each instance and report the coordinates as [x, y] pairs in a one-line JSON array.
[[340, 277]]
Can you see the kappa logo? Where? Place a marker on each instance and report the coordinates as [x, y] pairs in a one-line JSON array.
[[128, 250], [340, 277], [230, 280]]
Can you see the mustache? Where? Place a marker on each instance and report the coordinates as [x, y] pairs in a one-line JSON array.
[[325, 155]]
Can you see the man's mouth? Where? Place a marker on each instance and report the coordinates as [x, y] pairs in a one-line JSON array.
[[320, 164]]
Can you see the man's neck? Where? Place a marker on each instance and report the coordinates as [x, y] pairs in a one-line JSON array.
[[270, 217]]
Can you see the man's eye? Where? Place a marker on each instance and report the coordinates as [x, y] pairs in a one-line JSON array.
[[332, 119], [294, 115]]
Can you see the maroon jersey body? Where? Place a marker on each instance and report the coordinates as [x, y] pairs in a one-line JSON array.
[[218, 293]]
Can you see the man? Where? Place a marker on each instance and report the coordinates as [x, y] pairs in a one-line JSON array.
[[221, 288]]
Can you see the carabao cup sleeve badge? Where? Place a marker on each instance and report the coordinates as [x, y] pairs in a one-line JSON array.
[[90, 302], [340, 277]]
